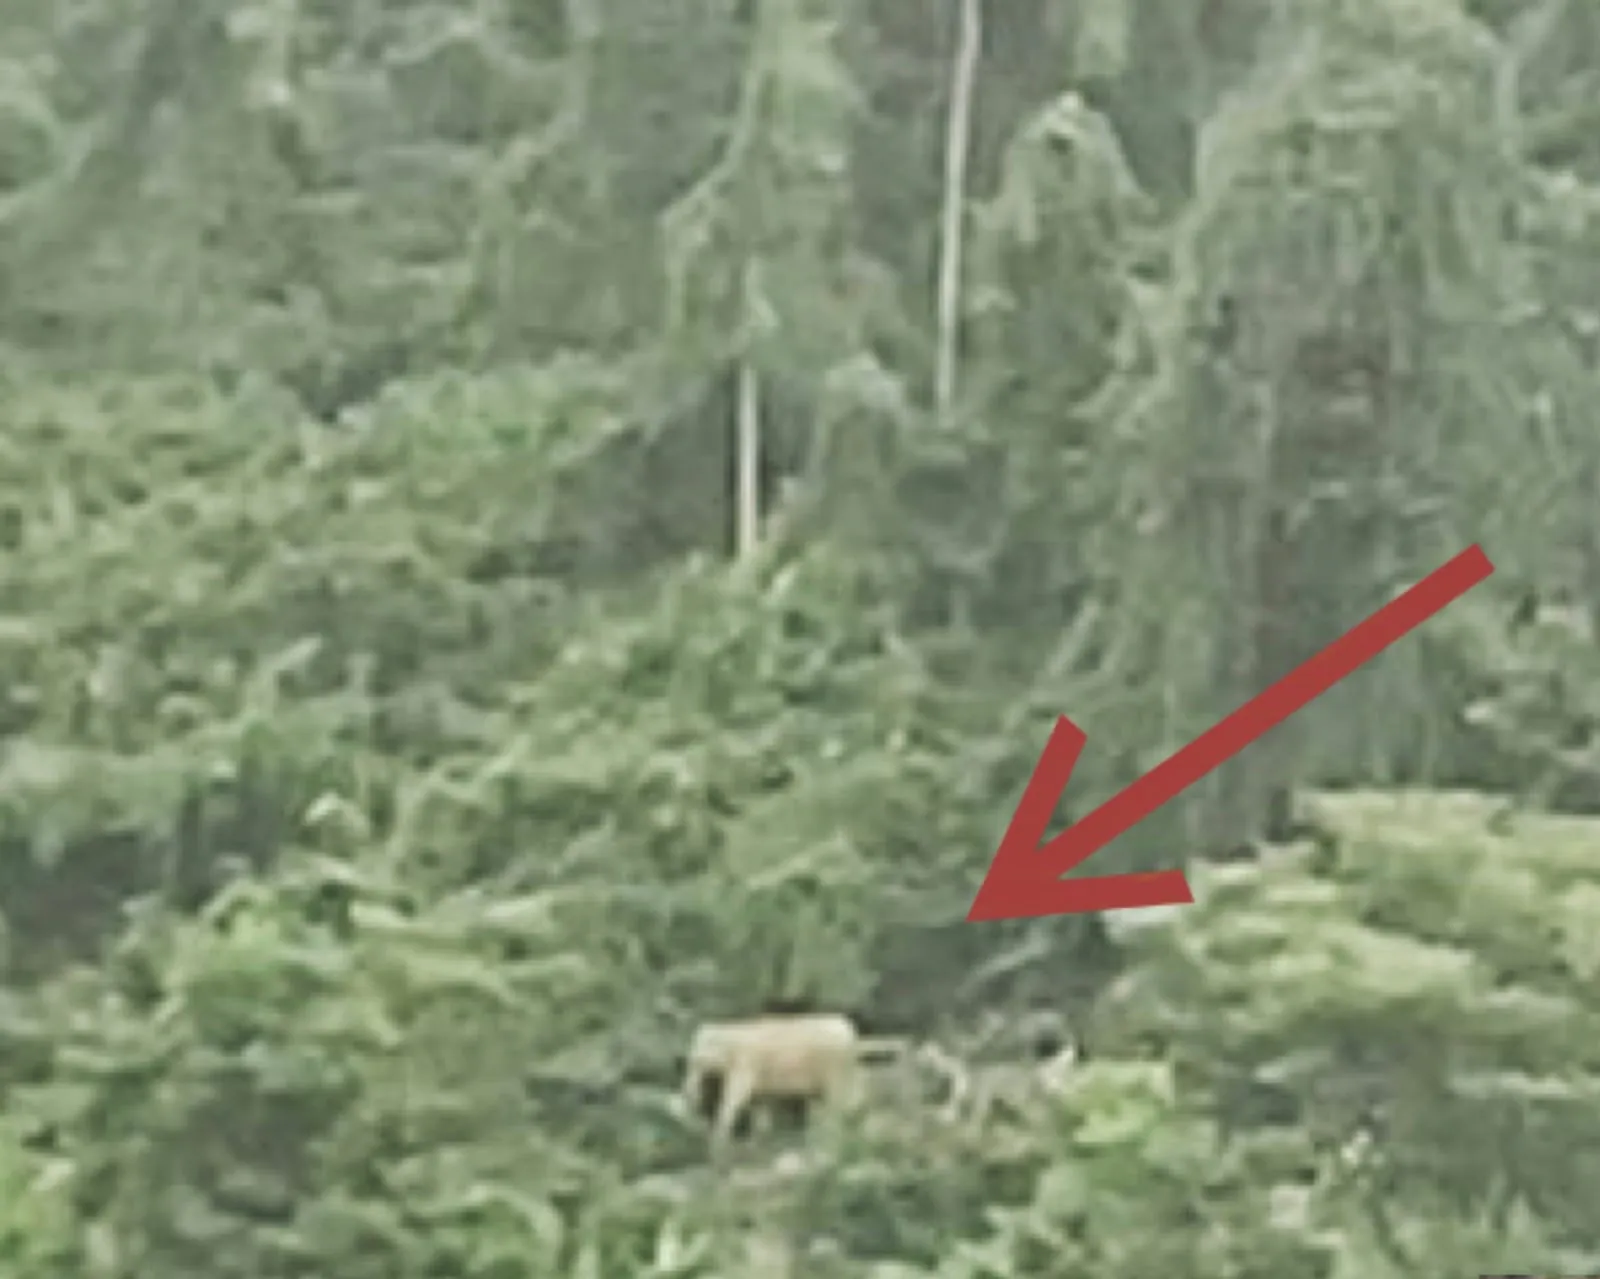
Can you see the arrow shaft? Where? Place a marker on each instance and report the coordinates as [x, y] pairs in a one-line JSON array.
[[1263, 712]]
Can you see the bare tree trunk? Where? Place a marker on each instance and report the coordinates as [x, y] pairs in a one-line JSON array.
[[957, 144], [1589, 545], [747, 526], [952, 221]]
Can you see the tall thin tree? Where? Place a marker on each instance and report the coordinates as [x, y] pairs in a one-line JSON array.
[[957, 146]]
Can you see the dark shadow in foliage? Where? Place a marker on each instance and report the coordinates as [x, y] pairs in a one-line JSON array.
[[60, 909]]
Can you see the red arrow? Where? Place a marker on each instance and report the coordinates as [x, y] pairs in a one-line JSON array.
[[1024, 879]]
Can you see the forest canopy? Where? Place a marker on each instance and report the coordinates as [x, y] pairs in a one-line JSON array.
[[526, 528]]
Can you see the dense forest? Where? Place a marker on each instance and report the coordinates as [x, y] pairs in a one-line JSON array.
[[528, 527]]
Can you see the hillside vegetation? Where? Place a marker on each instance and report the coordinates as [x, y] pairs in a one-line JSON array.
[[523, 528]]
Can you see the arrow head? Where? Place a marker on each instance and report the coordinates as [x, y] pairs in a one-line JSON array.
[[1024, 879], [1035, 893]]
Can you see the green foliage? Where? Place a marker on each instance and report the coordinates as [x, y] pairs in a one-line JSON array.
[[394, 767], [1431, 991]]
